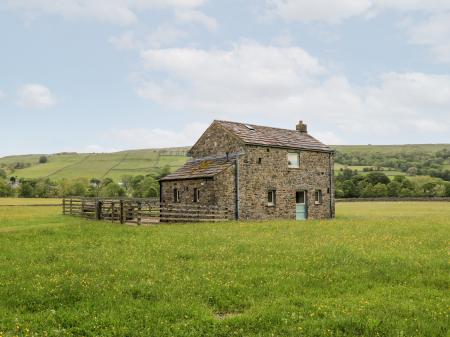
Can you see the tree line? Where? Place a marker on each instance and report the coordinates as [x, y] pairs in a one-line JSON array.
[[411, 163], [140, 186], [351, 184]]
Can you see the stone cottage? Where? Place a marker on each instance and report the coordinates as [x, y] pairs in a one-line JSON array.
[[257, 172]]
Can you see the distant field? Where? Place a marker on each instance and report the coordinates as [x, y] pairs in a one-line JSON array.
[[98, 165], [392, 148], [379, 269], [135, 162]]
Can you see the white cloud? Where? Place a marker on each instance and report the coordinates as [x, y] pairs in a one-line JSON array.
[[196, 16], [330, 11], [156, 138], [335, 11], [425, 125], [35, 96], [279, 85], [435, 33], [164, 35], [433, 30], [122, 12]]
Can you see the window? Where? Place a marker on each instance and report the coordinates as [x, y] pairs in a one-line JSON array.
[[259, 160], [293, 160], [196, 195], [300, 197], [271, 198], [318, 197], [176, 195]]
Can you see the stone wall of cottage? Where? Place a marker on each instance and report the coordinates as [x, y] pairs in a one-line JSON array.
[[225, 190], [271, 172], [186, 188], [219, 191], [216, 141]]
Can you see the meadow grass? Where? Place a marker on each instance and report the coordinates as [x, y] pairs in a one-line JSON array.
[[379, 269]]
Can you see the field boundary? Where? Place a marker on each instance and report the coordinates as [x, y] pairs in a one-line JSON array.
[[428, 199], [33, 205]]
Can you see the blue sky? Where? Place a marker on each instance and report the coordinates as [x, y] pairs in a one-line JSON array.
[[97, 75]]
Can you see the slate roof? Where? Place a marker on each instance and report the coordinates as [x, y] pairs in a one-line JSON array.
[[268, 136], [201, 168]]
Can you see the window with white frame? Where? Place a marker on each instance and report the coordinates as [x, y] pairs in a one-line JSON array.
[[293, 160], [176, 195], [318, 197], [271, 198], [196, 195]]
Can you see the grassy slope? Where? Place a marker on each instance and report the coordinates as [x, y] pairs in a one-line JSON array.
[[135, 162], [379, 269], [101, 165]]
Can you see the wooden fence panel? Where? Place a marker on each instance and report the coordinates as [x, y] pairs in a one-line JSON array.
[[141, 211]]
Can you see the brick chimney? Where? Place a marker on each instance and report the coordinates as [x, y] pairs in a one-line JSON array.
[[301, 127]]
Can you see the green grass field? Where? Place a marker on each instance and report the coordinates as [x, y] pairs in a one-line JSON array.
[[379, 269]]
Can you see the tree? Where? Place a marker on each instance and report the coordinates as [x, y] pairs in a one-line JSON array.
[[380, 190], [447, 190], [112, 190], [126, 181], [406, 192], [429, 189], [368, 192], [349, 189], [43, 159], [377, 178], [163, 172], [26, 189], [393, 188], [94, 187], [3, 174], [412, 171], [147, 188], [5, 189]]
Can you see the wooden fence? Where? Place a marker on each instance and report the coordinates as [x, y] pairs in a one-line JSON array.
[[141, 211]]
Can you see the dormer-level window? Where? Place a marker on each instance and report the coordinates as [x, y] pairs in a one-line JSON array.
[[293, 160]]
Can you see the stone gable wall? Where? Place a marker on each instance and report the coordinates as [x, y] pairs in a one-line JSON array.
[[216, 141], [273, 173]]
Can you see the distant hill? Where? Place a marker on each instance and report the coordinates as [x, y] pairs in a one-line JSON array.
[[95, 165], [135, 162]]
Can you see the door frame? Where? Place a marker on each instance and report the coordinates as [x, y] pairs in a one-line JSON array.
[[305, 192]]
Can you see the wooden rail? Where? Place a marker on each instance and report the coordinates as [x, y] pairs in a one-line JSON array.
[[141, 211]]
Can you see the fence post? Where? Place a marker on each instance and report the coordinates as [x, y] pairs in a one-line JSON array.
[[70, 209], [112, 211], [121, 212], [139, 213], [98, 209], [64, 206]]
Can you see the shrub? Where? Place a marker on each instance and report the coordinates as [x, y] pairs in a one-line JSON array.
[[43, 159]]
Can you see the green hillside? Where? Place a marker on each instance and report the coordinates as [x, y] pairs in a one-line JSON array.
[[98, 165], [387, 158]]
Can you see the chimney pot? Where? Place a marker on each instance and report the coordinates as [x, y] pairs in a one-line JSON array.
[[301, 127]]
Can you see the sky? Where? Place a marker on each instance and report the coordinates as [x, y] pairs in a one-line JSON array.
[[108, 75]]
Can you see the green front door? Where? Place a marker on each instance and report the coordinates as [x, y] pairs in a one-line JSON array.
[[301, 210]]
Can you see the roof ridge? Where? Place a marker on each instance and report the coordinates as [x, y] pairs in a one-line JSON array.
[[257, 125]]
